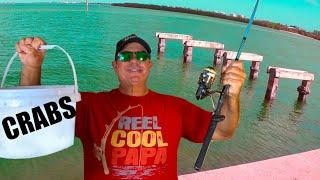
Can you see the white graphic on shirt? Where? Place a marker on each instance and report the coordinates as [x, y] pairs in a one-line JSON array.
[[138, 149], [100, 151]]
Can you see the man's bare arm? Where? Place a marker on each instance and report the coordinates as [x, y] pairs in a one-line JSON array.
[[235, 76]]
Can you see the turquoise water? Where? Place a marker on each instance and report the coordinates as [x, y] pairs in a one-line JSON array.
[[266, 130]]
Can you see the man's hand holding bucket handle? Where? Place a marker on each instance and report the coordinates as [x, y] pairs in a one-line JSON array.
[[31, 58]]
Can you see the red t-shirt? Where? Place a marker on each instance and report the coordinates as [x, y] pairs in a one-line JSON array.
[[128, 137]]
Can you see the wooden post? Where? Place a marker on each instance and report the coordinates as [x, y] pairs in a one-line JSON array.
[[187, 53], [273, 85], [87, 5], [304, 90], [161, 45], [254, 70], [185, 39], [217, 57], [226, 62]]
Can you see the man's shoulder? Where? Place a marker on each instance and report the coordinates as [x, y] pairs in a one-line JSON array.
[[88, 93], [94, 95], [168, 97]]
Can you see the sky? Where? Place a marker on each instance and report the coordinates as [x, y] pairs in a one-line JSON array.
[[301, 13]]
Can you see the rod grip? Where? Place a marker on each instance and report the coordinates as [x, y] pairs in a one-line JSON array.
[[213, 124]]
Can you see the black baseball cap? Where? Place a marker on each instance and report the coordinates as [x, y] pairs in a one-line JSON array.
[[130, 39]]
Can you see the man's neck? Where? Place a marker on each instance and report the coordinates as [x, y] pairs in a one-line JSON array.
[[134, 91]]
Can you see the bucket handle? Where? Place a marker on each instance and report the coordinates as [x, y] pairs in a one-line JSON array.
[[45, 47]]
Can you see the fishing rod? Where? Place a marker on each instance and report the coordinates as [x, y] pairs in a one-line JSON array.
[[206, 79], [246, 32]]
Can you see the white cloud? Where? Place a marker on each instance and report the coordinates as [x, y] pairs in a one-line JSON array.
[[313, 2]]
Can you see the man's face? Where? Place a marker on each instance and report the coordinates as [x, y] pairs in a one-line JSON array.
[[133, 72]]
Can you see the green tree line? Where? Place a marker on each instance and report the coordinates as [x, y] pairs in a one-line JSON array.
[[278, 26]]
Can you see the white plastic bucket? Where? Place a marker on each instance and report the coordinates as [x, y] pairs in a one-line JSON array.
[[37, 120]]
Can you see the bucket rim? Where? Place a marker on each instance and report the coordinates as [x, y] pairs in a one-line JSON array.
[[48, 90]]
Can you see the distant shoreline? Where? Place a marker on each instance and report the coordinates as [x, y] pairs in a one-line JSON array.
[[296, 34], [275, 26], [315, 35]]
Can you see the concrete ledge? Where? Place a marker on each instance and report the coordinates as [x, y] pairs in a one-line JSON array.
[[204, 44], [291, 73], [297, 166], [244, 56], [173, 36]]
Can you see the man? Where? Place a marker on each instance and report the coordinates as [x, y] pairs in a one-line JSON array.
[[133, 132]]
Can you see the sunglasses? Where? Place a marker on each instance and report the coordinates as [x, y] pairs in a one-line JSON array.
[[128, 55]]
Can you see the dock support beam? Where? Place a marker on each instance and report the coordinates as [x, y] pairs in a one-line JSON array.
[[217, 57], [163, 36], [228, 56], [273, 84], [187, 54], [225, 61], [161, 45], [254, 70], [275, 73], [304, 90], [189, 44]]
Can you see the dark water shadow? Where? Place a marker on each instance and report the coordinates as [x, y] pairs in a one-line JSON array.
[[294, 115], [266, 107], [160, 56], [218, 69], [186, 67], [249, 87], [297, 111], [160, 62]]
